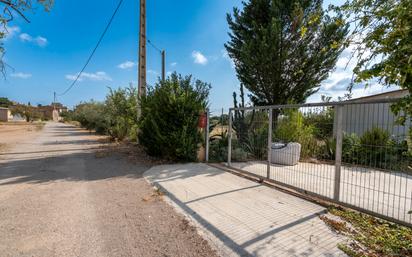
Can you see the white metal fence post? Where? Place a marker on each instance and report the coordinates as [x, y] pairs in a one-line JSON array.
[[207, 135], [269, 150], [229, 147], [338, 152]]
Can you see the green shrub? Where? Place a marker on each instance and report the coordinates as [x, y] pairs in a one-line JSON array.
[[292, 128], [350, 148], [117, 116], [170, 113], [238, 154], [91, 115], [121, 113], [376, 149], [218, 147], [255, 143], [322, 123], [375, 137]]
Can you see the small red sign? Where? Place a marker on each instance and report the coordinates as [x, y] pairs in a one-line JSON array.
[[202, 121]]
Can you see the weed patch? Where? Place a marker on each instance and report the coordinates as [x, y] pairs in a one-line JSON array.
[[371, 237]]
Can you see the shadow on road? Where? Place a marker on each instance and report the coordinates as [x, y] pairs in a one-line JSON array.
[[85, 166]]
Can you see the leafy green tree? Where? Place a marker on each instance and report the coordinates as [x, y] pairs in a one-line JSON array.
[[283, 50], [5, 102], [91, 115], [170, 115], [20, 8], [382, 42], [28, 112], [121, 112]]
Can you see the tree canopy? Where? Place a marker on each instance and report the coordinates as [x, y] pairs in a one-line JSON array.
[[283, 50], [168, 127], [382, 43], [5, 102]]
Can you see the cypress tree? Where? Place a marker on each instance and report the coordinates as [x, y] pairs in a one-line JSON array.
[[284, 49]]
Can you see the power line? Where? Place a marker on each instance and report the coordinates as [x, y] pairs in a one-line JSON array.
[[153, 45], [94, 50], [163, 54]]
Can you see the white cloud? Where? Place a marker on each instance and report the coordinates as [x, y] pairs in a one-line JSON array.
[[21, 75], [173, 64], [98, 76], [343, 62], [338, 81], [359, 91], [25, 37], [341, 77], [10, 31], [39, 40], [336, 78], [126, 65], [199, 58]]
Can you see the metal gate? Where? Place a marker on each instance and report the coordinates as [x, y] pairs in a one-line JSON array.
[[352, 153]]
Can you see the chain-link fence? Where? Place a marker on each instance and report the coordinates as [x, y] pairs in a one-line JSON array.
[[353, 153]]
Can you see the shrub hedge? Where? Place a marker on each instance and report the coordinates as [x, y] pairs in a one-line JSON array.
[[170, 114]]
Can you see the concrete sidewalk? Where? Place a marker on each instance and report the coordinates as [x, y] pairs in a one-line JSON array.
[[241, 217]]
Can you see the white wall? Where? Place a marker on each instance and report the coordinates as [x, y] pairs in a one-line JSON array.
[[359, 118]]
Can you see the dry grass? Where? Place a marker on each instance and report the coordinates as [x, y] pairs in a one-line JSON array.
[[218, 130], [155, 196], [371, 237]]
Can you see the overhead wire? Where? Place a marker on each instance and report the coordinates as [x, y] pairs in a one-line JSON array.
[[94, 50], [154, 46]]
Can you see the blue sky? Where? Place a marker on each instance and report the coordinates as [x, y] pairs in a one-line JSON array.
[[49, 51]]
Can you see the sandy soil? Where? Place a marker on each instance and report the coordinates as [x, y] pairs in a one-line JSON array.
[[13, 132], [65, 193]]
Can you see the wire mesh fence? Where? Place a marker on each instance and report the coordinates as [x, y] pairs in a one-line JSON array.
[[218, 135], [352, 153]]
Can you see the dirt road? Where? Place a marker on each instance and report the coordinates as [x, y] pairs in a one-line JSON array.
[[58, 197], [13, 132]]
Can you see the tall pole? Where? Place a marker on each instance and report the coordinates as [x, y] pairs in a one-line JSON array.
[[163, 66], [54, 101], [142, 55]]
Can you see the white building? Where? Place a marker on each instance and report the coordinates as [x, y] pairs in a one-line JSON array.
[[359, 116], [5, 114]]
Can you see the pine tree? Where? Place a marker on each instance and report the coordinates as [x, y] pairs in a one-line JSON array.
[[284, 49]]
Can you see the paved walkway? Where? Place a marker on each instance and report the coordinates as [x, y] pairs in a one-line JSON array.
[[245, 218], [386, 193]]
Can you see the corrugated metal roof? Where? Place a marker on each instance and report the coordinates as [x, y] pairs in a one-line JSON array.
[[387, 95]]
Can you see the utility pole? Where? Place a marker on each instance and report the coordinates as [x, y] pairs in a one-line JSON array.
[[142, 56], [54, 101], [163, 65]]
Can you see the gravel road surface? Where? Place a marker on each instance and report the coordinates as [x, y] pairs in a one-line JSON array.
[[63, 194]]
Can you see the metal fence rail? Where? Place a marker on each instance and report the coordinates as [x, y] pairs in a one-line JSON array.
[[352, 153]]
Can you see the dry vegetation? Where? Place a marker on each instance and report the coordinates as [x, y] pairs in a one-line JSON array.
[[370, 236]]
